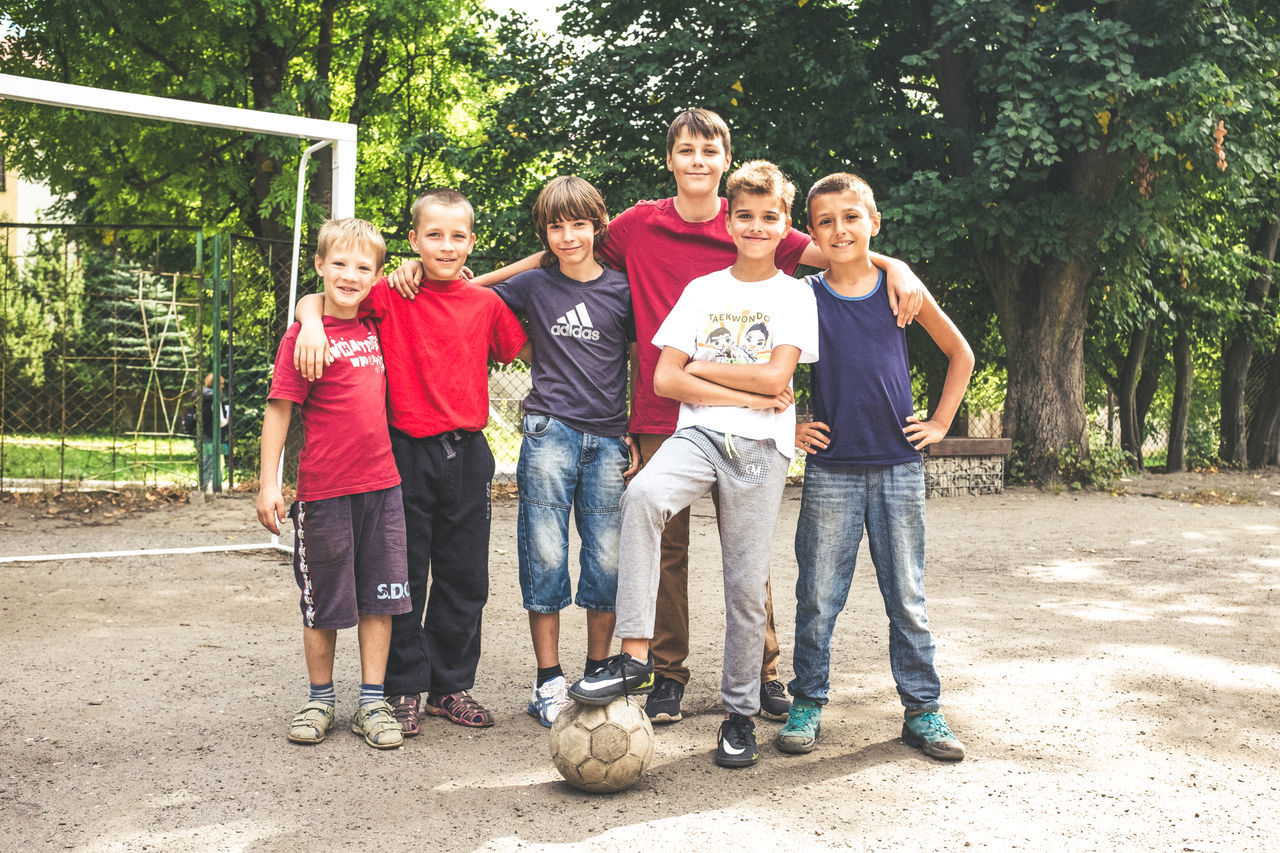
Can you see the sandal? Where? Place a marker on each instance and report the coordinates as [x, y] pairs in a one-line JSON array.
[[461, 708], [311, 723], [404, 708], [378, 725]]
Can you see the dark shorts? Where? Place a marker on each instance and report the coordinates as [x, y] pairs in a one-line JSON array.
[[349, 558]]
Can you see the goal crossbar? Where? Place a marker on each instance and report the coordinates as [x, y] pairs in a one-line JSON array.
[[341, 134]]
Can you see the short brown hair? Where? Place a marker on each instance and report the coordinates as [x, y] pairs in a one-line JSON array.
[[840, 182], [444, 197], [569, 197], [701, 123], [760, 177], [349, 232]]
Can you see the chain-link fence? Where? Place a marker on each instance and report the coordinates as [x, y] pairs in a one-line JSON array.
[[99, 354]]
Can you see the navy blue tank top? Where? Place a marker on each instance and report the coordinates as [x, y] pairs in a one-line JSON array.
[[862, 380]]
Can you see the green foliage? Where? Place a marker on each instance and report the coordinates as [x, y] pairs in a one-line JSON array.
[[413, 77], [1099, 470]]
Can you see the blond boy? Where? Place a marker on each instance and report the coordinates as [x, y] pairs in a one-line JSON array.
[[349, 533]]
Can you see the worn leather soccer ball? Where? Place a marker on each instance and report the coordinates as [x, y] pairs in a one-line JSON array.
[[605, 748]]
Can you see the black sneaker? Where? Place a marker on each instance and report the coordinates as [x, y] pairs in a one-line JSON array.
[[664, 703], [736, 743], [621, 675], [774, 703]]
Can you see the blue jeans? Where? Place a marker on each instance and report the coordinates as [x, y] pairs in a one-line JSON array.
[[839, 501], [562, 468]]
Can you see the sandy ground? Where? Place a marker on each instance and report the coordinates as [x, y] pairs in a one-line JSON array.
[[1109, 661]]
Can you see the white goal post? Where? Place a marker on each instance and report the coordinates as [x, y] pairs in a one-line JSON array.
[[340, 135]]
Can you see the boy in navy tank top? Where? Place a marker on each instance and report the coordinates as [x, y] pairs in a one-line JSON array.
[[864, 470]]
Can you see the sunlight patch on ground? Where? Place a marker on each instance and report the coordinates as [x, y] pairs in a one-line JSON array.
[[1266, 562], [233, 836], [1216, 671], [1073, 572], [1191, 534], [1262, 528], [764, 832], [1101, 612]]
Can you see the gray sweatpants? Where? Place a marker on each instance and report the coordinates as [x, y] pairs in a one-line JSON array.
[[749, 475]]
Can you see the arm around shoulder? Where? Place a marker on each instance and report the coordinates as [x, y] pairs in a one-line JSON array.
[[501, 274], [906, 290], [311, 350]]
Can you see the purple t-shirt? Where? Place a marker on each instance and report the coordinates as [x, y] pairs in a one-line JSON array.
[[580, 332], [862, 381]]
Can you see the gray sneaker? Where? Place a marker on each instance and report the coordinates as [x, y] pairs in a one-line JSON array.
[[929, 731], [804, 722], [664, 703]]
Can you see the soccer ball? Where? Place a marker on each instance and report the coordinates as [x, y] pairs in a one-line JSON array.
[[602, 748]]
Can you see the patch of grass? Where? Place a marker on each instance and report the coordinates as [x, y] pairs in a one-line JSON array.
[[114, 458]]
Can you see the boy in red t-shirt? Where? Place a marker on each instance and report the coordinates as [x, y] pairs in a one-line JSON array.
[[349, 537], [437, 350], [663, 245]]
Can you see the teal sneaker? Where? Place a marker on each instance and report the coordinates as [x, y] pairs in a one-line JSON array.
[[804, 721], [929, 731]]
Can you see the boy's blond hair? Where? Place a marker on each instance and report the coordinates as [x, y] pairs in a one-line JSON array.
[[840, 182], [701, 123], [569, 197], [350, 232], [444, 197], [760, 177]]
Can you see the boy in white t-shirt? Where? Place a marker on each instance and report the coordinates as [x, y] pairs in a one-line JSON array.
[[735, 433]]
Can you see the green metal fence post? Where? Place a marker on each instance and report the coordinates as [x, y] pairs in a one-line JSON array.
[[216, 363]]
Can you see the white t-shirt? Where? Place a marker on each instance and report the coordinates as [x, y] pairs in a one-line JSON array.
[[719, 318]]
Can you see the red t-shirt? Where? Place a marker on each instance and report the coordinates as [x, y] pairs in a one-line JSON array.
[[345, 446], [661, 253], [438, 348]]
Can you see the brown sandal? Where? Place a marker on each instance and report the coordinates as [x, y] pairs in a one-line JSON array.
[[405, 709], [461, 708]]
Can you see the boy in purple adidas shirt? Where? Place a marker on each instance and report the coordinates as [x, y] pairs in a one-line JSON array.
[[576, 452]]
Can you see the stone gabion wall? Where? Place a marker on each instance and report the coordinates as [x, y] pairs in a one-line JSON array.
[[952, 476]]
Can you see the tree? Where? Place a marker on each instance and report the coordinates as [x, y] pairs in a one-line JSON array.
[[411, 76], [1006, 142]]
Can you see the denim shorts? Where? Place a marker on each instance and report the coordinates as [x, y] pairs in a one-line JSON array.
[[562, 468]]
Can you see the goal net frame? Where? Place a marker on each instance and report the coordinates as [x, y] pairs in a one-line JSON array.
[[341, 135]]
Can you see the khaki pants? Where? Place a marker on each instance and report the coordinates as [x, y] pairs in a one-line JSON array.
[[671, 627]]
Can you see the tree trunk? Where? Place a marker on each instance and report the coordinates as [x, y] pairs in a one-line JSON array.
[[267, 67], [1126, 391], [1149, 381], [1042, 316], [319, 105], [1264, 426], [1183, 379], [1238, 353]]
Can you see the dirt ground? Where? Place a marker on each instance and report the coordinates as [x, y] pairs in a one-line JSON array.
[[1108, 660]]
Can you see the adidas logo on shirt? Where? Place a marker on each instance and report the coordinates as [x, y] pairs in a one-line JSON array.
[[575, 324]]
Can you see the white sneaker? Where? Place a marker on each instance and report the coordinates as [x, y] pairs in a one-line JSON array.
[[549, 700]]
